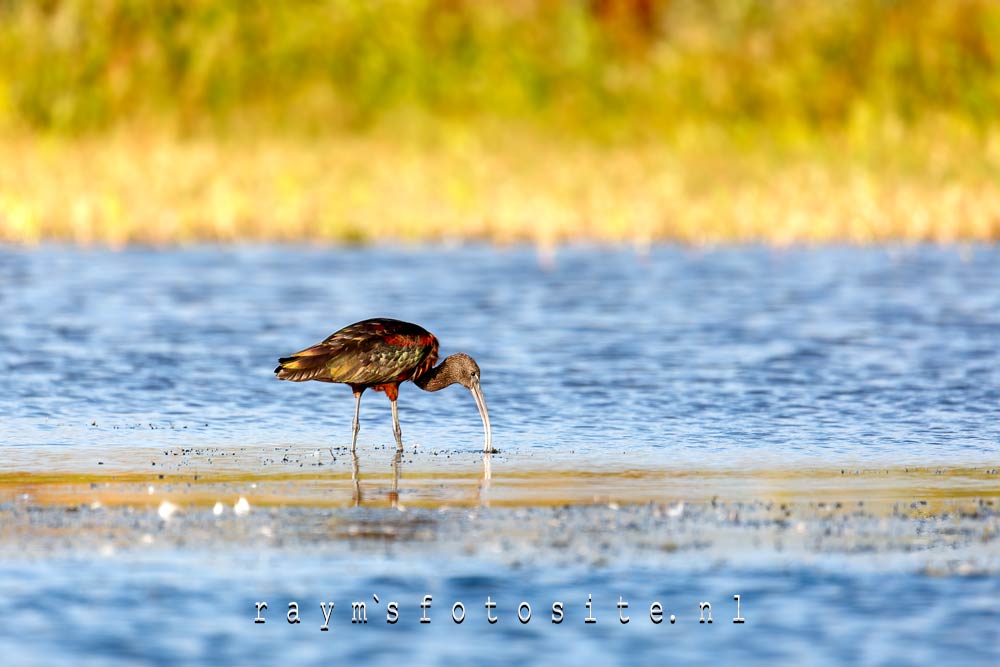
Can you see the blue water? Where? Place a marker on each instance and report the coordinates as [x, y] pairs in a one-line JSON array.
[[692, 358], [201, 609], [699, 357]]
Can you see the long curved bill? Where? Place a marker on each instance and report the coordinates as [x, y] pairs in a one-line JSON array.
[[477, 394]]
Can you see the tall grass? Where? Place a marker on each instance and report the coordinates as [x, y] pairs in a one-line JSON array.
[[543, 120], [583, 66], [127, 188]]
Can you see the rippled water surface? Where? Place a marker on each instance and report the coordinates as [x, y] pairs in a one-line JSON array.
[[700, 357], [656, 378]]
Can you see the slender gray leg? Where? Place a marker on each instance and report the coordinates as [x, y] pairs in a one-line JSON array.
[[396, 430], [357, 424]]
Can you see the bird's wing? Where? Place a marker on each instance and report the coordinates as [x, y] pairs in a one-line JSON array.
[[357, 357], [375, 360]]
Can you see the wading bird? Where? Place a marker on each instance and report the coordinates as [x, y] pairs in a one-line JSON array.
[[379, 354]]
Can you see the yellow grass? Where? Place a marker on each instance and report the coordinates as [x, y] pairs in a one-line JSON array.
[[510, 187]]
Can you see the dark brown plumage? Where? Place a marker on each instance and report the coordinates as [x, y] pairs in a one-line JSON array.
[[380, 354]]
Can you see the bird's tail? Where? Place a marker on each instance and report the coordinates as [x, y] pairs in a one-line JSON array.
[[309, 364]]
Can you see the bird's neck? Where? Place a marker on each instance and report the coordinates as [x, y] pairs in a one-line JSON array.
[[438, 377]]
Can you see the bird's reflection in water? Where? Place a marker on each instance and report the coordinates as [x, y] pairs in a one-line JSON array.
[[484, 481], [356, 479], [397, 465]]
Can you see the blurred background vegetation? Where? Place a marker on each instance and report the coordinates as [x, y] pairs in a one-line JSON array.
[[545, 120]]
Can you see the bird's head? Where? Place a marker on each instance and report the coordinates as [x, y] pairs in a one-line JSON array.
[[466, 372], [460, 369]]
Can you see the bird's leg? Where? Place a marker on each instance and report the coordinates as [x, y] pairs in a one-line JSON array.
[[392, 391], [396, 430], [356, 426]]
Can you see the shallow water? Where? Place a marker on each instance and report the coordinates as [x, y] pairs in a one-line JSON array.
[[704, 358], [672, 381]]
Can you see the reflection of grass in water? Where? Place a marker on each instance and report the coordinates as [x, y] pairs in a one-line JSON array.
[[146, 188], [423, 485]]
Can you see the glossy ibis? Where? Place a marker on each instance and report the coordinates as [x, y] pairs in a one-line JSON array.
[[380, 354]]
